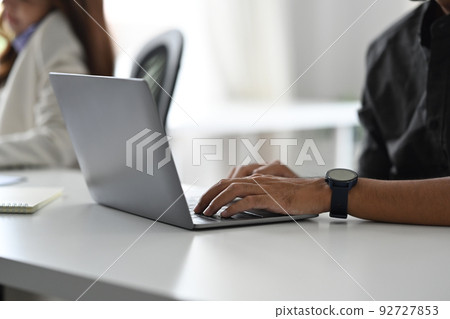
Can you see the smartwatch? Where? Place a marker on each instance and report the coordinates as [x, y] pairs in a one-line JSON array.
[[340, 180]]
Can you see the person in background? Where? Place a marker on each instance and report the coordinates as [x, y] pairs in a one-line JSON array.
[[405, 162], [38, 37]]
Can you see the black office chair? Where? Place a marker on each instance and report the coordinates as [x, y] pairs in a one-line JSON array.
[[160, 60]]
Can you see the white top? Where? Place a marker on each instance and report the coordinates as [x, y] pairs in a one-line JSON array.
[[64, 247], [32, 130]]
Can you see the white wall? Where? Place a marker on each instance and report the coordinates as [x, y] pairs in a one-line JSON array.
[[254, 49], [340, 73], [265, 45], [134, 22]]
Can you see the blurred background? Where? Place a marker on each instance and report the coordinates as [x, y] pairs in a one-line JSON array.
[[241, 58]]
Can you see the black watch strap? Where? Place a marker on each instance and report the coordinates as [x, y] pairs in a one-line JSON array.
[[339, 199]]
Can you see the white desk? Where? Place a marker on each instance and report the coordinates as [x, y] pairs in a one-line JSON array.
[[64, 247]]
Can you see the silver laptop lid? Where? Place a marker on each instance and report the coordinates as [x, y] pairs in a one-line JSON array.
[[121, 146]]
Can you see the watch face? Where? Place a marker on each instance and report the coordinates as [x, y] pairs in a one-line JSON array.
[[341, 174]]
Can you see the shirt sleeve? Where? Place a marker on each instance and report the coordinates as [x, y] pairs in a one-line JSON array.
[[374, 161]]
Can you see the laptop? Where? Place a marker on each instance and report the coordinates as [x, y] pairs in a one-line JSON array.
[[124, 154]]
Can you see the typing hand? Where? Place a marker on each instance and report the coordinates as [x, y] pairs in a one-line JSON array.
[[294, 196], [274, 169]]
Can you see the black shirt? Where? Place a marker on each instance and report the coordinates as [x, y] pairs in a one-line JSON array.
[[406, 101]]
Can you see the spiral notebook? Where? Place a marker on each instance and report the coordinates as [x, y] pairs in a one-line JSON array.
[[26, 200]]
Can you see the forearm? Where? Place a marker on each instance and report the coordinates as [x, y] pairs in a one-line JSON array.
[[424, 202]]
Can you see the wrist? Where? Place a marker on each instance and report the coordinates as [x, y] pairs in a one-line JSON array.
[[325, 193], [311, 196]]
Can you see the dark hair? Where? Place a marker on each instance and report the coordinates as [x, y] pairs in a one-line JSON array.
[[87, 20]]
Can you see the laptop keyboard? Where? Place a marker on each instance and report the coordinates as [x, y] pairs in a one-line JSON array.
[[200, 218]]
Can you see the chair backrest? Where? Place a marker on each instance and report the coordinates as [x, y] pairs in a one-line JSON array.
[[158, 63]]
